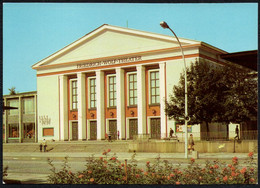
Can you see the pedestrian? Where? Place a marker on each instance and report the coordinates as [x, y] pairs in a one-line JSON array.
[[109, 136], [44, 143], [237, 132], [191, 143], [171, 132], [106, 136], [40, 147], [118, 135]]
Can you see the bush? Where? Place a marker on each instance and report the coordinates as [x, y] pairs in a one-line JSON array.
[[109, 170]]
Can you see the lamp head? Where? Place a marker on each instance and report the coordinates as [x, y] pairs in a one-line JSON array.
[[164, 25]]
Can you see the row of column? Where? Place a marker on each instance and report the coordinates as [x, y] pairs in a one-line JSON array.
[[100, 87]]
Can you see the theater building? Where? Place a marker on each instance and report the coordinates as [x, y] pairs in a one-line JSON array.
[[113, 79]]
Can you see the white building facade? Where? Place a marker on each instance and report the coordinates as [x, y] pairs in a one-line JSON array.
[[113, 79]]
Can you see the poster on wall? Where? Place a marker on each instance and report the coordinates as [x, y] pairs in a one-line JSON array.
[[180, 128]]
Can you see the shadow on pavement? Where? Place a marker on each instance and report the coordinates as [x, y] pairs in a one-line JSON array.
[[30, 181]]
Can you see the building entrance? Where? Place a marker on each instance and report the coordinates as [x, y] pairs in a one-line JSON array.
[[156, 128], [74, 130], [133, 128], [113, 128], [93, 130]]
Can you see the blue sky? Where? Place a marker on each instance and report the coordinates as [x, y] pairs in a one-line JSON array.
[[33, 31]]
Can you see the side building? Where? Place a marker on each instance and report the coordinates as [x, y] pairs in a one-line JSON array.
[[20, 125]]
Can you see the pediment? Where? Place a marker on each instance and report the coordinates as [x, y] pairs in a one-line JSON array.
[[109, 41]]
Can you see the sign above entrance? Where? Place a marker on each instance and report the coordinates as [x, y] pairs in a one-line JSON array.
[[109, 62]]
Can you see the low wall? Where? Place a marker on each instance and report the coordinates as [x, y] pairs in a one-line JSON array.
[[244, 146]]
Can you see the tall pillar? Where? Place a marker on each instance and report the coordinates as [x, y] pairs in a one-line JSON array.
[[35, 119], [162, 99], [6, 122], [120, 101], [81, 106], [141, 101], [100, 87], [20, 120], [64, 120]]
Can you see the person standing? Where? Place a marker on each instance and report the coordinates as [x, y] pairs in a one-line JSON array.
[[118, 135], [237, 132], [44, 143], [191, 143], [171, 132]]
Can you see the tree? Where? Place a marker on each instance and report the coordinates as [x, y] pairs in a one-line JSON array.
[[12, 91], [214, 95]]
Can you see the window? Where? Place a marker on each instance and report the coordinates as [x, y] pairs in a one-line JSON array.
[[28, 105], [92, 92], [154, 87], [74, 95], [132, 82], [28, 130], [13, 130], [13, 103], [112, 91]]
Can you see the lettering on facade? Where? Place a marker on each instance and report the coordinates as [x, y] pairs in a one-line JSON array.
[[44, 120], [109, 62]]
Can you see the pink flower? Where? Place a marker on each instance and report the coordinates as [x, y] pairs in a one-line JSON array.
[[171, 175], [229, 165], [192, 160], [251, 180], [217, 179], [200, 178], [168, 177], [81, 176], [234, 159], [70, 172], [233, 168], [146, 173], [91, 179], [178, 183], [233, 173], [243, 170], [104, 153], [113, 158], [137, 175], [101, 158], [122, 164], [225, 178], [89, 171], [216, 166], [147, 162], [210, 172], [250, 154], [108, 150]]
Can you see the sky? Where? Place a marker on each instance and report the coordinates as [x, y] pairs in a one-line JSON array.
[[33, 31]]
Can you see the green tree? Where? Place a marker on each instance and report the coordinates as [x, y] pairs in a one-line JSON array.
[[214, 95]]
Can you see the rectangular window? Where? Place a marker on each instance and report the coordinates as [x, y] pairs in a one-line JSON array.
[[28, 105], [13, 103], [74, 95], [13, 130], [154, 87], [92, 92], [132, 83], [28, 130], [112, 91]]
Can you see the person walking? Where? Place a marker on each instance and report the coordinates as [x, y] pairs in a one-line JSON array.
[[191, 143], [109, 136], [118, 135], [237, 132], [44, 143]]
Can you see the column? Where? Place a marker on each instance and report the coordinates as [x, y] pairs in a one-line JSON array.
[[64, 120], [162, 99], [20, 120], [81, 89], [120, 102], [35, 119], [141, 101], [6, 122], [100, 104]]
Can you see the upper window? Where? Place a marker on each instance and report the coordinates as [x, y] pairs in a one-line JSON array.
[[28, 105], [154, 87], [92, 92], [13, 103], [132, 83], [112, 91], [74, 95]]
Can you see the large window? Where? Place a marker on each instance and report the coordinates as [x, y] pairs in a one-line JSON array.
[[28, 106], [112, 91], [13, 103], [74, 95], [13, 130], [132, 82], [154, 87], [28, 130], [92, 92]]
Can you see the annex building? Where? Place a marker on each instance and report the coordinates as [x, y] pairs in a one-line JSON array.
[[114, 79]]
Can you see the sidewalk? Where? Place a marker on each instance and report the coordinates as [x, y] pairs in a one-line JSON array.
[[122, 155]]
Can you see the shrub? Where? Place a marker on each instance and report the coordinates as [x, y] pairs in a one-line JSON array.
[[109, 170]]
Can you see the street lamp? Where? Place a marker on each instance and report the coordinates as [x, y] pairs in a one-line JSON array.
[[165, 26]]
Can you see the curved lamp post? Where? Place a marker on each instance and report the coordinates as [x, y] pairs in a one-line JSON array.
[[165, 26]]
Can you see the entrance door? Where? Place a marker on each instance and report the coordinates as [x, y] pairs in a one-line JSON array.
[[113, 128], [133, 128], [93, 130], [156, 128], [74, 130]]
